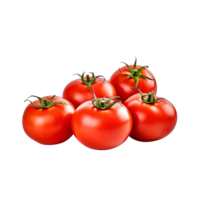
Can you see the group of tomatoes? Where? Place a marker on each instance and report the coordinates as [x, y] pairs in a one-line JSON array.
[[101, 113]]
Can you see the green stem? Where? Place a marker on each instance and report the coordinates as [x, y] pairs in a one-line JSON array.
[[44, 103], [101, 104], [88, 78], [150, 97], [135, 63], [89, 81], [135, 73]]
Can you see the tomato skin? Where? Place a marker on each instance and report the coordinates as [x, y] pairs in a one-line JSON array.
[[123, 83], [77, 92], [101, 129], [151, 121], [49, 126]]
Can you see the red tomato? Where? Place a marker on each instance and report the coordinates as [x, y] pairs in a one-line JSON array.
[[133, 77], [49, 125], [101, 128], [151, 121], [78, 91]]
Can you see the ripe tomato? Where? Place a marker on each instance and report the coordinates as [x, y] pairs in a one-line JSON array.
[[79, 90], [102, 123], [153, 118], [133, 76], [48, 120]]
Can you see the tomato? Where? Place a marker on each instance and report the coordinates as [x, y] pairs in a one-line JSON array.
[[80, 90], [48, 120], [133, 76], [153, 118], [101, 123]]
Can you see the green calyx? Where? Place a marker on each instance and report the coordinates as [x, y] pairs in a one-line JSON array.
[[89, 81], [135, 73], [102, 104], [148, 98], [45, 103]]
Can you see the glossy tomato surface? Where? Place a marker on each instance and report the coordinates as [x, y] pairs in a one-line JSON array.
[[101, 129], [151, 121], [49, 126], [77, 92], [123, 83]]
